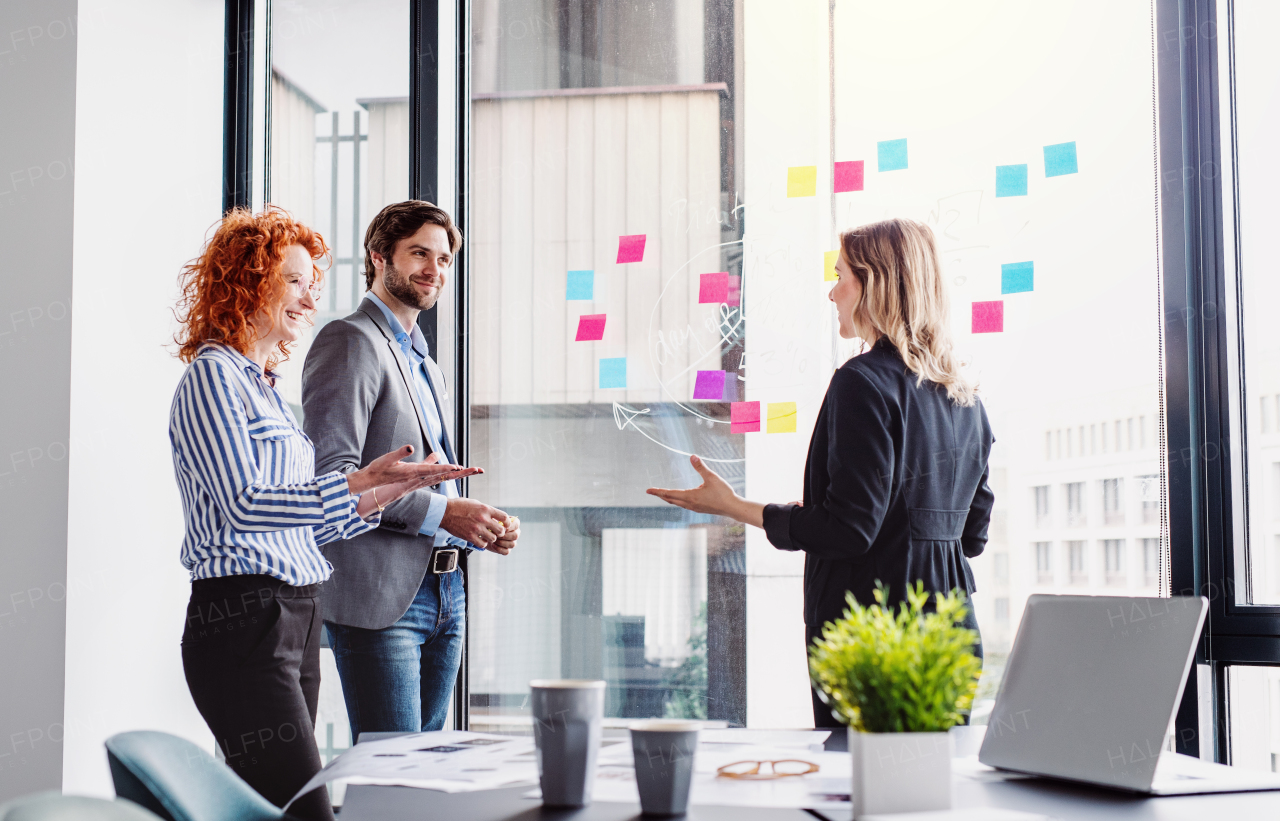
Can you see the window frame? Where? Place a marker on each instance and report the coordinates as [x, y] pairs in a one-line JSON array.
[[1201, 390]]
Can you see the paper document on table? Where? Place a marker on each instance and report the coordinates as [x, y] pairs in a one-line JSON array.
[[827, 788], [448, 760], [769, 738]]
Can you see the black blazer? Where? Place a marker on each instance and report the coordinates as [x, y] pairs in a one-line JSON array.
[[895, 488]]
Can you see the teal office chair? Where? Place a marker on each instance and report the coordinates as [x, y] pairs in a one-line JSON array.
[[178, 781], [54, 806]]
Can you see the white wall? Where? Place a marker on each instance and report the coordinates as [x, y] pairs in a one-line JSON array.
[[148, 152]]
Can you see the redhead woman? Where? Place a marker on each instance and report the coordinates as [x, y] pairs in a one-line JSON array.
[[895, 486], [256, 514]]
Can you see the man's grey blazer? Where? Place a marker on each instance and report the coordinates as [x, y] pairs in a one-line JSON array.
[[359, 402]]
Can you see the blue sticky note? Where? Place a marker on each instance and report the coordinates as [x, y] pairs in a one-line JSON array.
[[891, 155], [1017, 277], [613, 372], [581, 285], [1011, 180], [1060, 159]]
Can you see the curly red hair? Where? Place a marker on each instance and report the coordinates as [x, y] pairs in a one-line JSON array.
[[237, 275]]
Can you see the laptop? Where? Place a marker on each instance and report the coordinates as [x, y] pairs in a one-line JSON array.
[[1089, 694]]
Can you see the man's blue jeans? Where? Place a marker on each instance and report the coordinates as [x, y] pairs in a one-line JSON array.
[[399, 679]]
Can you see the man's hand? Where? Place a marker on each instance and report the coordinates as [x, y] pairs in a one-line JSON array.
[[477, 523], [507, 543]]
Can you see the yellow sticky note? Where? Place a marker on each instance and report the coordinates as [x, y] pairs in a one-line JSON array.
[[802, 181], [782, 417], [829, 259]]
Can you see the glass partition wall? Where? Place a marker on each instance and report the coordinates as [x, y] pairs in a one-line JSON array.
[[655, 192]]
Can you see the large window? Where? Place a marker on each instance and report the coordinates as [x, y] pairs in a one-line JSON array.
[[655, 188], [738, 138]]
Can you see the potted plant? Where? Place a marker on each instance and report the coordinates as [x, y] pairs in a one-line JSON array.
[[900, 681]]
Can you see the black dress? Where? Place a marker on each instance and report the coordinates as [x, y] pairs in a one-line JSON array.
[[895, 490]]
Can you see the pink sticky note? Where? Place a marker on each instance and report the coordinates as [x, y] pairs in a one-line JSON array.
[[988, 317], [744, 417], [713, 287], [848, 176], [590, 328], [734, 297], [709, 385], [631, 248]]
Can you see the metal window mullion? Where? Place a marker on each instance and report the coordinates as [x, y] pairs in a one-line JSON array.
[[334, 141], [355, 208]]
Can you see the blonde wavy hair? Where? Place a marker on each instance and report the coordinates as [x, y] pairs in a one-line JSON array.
[[905, 300]]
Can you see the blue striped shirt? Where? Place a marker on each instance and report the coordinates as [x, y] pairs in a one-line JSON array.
[[246, 472]]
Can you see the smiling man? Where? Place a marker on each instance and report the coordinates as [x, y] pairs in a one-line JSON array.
[[395, 603]]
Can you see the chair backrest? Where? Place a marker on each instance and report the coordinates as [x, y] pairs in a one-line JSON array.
[[178, 781], [54, 806]]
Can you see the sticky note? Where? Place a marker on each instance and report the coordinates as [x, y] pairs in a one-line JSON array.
[[1017, 277], [709, 385], [613, 372], [829, 260], [590, 328], [781, 417], [848, 176], [713, 287], [631, 248], [580, 285], [734, 296], [802, 181], [988, 317], [1060, 159], [1011, 180], [891, 155], [744, 417]]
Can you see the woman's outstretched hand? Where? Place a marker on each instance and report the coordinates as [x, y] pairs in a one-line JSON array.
[[713, 496], [388, 469]]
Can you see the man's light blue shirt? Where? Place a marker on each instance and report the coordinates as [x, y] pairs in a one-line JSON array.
[[414, 346]]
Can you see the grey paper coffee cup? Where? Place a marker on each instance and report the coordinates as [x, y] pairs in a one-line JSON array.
[[567, 725], [664, 752]]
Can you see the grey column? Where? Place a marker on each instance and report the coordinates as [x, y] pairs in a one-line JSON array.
[[37, 143]]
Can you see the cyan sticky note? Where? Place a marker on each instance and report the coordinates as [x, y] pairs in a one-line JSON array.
[[713, 287], [613, 372], [829, 260], [988, 317], [891, 155], [744, 417], [631, 248], [802, 181], [1011, 180], [580, 285], [1017, 277], [1060, 159], [848, 176], [709, 385], [781, 417], [590, 328]]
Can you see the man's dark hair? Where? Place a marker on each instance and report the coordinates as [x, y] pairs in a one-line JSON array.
[[402, 220]]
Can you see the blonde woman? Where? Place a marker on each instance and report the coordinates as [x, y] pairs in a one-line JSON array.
[[895, 486]]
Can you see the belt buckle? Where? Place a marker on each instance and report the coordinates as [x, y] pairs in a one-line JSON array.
[[444, 561]]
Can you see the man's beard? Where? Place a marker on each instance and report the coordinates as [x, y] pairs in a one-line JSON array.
[[399, 286]]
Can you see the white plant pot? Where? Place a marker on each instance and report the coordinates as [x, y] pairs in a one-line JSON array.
[[900, 772]]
